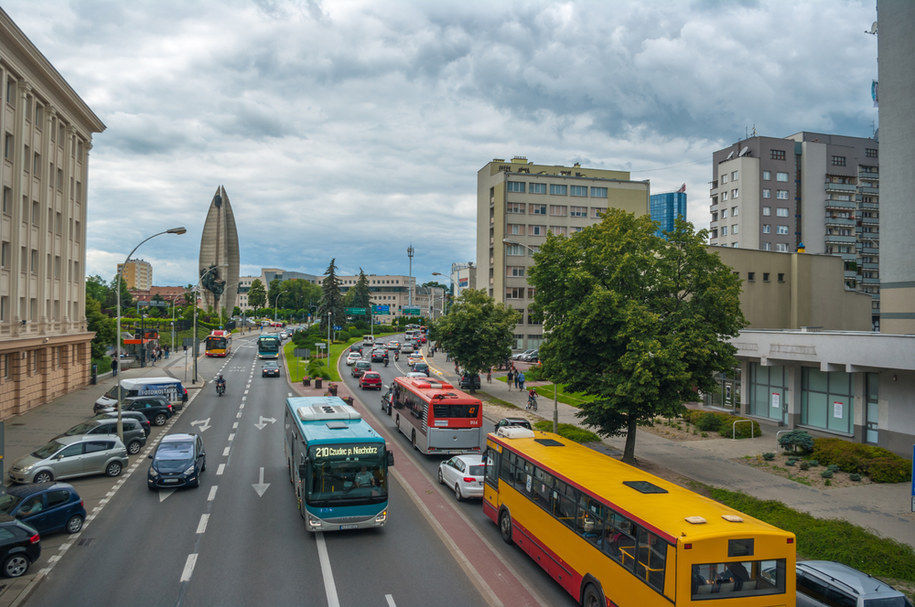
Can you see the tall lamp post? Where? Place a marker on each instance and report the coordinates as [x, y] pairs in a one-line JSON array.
[[410, 285], [196, 294], [275, 301], [117, 345]]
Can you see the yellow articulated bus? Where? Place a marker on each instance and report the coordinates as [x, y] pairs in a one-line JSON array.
[[613, 535]]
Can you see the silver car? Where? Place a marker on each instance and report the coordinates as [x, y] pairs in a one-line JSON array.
[[70, 456]]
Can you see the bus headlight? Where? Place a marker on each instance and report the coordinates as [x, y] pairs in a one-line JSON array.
[[381, 518], [313, 522]]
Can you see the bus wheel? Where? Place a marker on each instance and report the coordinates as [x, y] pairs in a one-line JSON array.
[[505, 526], [591, 597]]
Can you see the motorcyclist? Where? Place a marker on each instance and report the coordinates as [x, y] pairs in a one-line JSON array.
[[220, 383], [396, 355]]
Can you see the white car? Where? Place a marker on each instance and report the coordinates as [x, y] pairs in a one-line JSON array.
[[463, 474], [352, 357], [414, 358], [416, 374]]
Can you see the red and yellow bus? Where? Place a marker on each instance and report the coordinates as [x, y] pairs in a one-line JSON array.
[[219, 343], [611, 534], [437, 417]]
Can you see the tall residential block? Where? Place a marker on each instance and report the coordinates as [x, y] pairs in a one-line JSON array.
[[518, 203], [812, 189], [137, 274], [896, 48], [47, 134]]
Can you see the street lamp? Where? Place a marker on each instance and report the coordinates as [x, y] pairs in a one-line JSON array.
[[275, 301], [410, 284], [196, 294], [117, 346]]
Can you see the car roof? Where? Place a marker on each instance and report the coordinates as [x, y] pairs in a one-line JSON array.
[[177, 437], [471, 459], [862, 583], [371, 373], [24, 491]]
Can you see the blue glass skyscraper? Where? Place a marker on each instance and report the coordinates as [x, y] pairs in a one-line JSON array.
[[666, 207]]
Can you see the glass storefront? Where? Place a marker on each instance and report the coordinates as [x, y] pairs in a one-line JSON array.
[[767, 389], [826, 400]]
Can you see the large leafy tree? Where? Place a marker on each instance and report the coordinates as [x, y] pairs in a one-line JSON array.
[[476, 331], [274, 291], [638, 321], [331, 298], [358, 296], [257, 295], [96, 320]]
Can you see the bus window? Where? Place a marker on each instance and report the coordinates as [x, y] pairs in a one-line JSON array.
[[651, 556], [743, 578]]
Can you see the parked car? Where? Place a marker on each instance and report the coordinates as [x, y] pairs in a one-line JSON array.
[[134, 436], [352, 357], [520, 355], [512, 421], [470, 381], [144, 422], [370, 379], [46, 507], [531, 357], [177, 462], [463, 474], [421, 366], [166, 386], [157, 409], [71, 456], [270, 369], [20, 546], [360, 367], [825, 583]]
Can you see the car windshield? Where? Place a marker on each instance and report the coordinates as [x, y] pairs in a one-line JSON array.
[[78, 429], [48, 450], [8, 502], [175, 451]]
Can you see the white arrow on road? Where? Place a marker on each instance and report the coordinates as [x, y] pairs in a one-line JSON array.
[[203, 423], [260, 486], [164, 495], [261, 425]]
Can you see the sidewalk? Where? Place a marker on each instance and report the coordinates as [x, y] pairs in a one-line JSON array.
[[885, 509]]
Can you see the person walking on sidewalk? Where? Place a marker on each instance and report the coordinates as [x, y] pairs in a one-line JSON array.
[[114, 366], [511, 376], [520, 379], [489, 376]]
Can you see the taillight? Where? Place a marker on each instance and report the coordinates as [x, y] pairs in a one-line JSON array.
[[169, 407], [469, 479], [34, 539]]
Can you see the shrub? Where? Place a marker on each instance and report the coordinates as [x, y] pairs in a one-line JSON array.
[[814, 463], [709, 422], [768, 456], [804, 465], [791, 461], [855, 458], [569, 431], [796, 441], [889, 470], [827, 473], [854, 476]]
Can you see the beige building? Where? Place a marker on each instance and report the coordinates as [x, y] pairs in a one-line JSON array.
[[137, 274], [47, 133], [518, 202]]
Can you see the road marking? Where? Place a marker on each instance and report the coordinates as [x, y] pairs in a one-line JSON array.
[[212, 494], [225, 452], [164, 495], [330, 589], [220, 470], [202, 525], [390, 600], [188, 568], [231, 437]]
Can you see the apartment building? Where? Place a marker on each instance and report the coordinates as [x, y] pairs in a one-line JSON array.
[[47, 134], [137, 274], [518, 203], [809, 191]]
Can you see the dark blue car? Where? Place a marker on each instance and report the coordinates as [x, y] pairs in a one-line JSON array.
[[177, 462], [46, 507]]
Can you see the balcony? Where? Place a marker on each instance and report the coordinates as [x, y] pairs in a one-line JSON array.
[[713, 225], [869, 265], [844, 205], [868, 175], [833, 239], [866, 190], [840, 187], [839, 221], [869, 205], [871, 221]]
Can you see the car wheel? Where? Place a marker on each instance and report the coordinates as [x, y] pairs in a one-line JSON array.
[[74, 524], [16, 565], [505, 526], [133, 447], [441, 479], [43, 477], [457, 492], [113, 469], [160, 419]]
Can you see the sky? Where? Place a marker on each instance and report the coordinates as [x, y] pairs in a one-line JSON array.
[[351, 129]]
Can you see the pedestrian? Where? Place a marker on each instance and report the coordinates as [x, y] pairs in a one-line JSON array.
[[511, 376], [114, 366], [489, 376], [520, 378]]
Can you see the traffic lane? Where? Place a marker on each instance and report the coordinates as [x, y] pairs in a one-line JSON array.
[[526, 568]]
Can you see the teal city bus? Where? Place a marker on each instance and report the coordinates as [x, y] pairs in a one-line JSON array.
[[337, 463], [268, 346]]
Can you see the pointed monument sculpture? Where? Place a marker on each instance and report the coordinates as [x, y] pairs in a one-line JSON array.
[[219, 259]]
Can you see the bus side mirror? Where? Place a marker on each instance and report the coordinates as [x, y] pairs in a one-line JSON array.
[[303, 471], [390, 455]]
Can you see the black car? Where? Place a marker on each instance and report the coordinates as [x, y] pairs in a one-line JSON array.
[[144, 422], [378, 356], [20, 546], [46, 507], [512, 421], [356, 347], [178, 462], [421, 367], [270, 369], [470, 381], [157, 409]]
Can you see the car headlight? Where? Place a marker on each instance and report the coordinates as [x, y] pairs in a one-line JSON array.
[[153, 472], [190, 469]]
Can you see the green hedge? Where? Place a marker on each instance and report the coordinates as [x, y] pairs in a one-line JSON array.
[[881, 465], [722, 423], [569, 431]]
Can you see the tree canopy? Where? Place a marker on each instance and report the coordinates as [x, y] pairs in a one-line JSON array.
[[257, 295], [639, 321], [476, 331], [331, 298], [358, 295]]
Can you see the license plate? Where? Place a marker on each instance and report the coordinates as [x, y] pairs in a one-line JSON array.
[[170, 480], [345, 527]]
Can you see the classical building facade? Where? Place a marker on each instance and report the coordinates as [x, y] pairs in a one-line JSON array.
[[518, 203], [219, 257], [47, 134]]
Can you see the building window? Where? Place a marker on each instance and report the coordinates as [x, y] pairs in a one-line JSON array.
[[515, 229], [516, 186], [514, 271], [870, 152], [781, 176], [734, 229], [578, 211], [514, 249], [783, 230], [536, 230], [766, 211], [751, 276], [735, 193], [724, 213], [767, 175], [558, 210], [724, 230], [7, 200], [8, 147], [598, 192], [4, 254], [766, 228], [537, 188], [735, 175], [537, 209], [559, 189], [781, 247], [724, 178], [838, 161], [767, 246], [781, 277], [734, 211], [597, 212], [515, 207], [781, 211], [765, 277], [514, 293], [767, 193], [781, 194], [777, 154], [724, 196], [558, 230], [580, 191]]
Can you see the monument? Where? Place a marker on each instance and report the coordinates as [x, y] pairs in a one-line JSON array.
[[219, 259]]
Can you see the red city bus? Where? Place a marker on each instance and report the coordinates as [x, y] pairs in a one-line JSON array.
[[436, 417]]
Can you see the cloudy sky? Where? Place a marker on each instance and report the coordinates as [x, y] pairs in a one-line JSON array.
[[350, 129]]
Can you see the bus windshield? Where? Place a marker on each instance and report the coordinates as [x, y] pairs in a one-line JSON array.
[[216, 342], [347, 474]]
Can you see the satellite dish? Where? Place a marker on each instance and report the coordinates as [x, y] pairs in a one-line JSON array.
[[872, 30], [731, 155], [744, 151]]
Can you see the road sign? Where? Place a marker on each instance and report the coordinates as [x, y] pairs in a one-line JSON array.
[[355, 311], [411, 311], [302, 352], [382, 309], [337, 327], [320, 345]]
